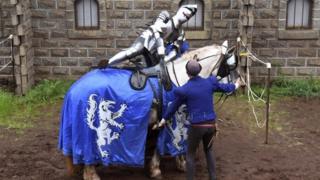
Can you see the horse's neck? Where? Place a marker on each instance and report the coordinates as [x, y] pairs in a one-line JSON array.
[[209, 56]]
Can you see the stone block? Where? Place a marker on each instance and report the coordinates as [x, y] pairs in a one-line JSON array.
[[123, 24], [36, 13], [41, 33], [135, 14], [275, 4], [67, 43], [221, 24], [69, 61], [298, 34], [267, 52], [306, 71], [79, 70], [297, 43], [123, 4], [59, 52], [57, 14], [314, 43], [150, 15], [313, 62], [86, 43], [48, 24], [5, 51], [78, 52], [142, 4], [307, 52], [277, 62], [217, 15], [268, 14], [230, 14], [40, 70], [49, 43], [58, 33], [105, 43], [221, 4], [87, 62], [161, 5], [277, 44], [287, 53], [287, 71], [97, 52], [259, 43], [41, 52], [116, 14], [262, 71], [50, 62], [60, 70], [123, 43], [261, 4], [296, 62], [262, 23], [47, 4]]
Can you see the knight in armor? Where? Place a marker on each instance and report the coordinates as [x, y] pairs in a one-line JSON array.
[[151, 43]]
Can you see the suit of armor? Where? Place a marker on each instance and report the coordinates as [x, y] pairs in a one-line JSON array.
[[152, 40]]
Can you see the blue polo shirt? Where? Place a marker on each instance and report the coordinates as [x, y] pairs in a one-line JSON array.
[[197, 94]]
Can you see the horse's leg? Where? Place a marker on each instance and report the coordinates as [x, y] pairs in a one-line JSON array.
[[72, 170], [90, 173], [181, 163], [155, 171]]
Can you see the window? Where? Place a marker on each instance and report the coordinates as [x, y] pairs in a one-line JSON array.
[[196, 22], [87, 14], [299, 14]]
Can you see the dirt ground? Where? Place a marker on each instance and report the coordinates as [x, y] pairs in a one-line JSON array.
[[293, 151]]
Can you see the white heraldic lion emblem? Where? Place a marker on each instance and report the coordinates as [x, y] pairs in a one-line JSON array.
[[106, 133], [179, 133]]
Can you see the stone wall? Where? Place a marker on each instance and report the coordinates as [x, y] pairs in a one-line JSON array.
[[6, 28], [293, 53], [60, 51]]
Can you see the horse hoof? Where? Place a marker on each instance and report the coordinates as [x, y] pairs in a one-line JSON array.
[[182, 167], [156, 174], [90, 173]]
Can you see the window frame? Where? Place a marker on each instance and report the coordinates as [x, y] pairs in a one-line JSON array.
[[310, 24], [202, 16], [76, 17]]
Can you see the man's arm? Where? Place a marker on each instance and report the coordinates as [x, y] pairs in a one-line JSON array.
[[173, 107], [224, 87]]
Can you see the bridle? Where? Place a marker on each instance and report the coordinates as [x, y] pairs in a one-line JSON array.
[[199, 60]]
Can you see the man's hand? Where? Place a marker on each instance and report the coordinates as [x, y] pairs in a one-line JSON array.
[[239, 83], [159, 125]]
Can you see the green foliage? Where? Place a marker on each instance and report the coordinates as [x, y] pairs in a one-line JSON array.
[[18, 111], [303, 87], [307, 88]]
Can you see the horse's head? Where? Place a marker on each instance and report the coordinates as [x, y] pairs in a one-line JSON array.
[[228, 68], [215, 60]]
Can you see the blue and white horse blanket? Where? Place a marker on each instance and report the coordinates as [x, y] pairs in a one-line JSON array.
[[105, 121]]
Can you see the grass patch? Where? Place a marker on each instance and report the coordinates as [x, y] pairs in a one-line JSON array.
[[284, 87], [18, 111]]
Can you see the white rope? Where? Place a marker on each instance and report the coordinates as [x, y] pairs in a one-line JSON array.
[[6, 65], [6, 39], [1, 42], [252, 96]]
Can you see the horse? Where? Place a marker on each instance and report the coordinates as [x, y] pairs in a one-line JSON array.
[[104, 121]]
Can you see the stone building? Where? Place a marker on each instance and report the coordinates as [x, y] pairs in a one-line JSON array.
[[62, 38]]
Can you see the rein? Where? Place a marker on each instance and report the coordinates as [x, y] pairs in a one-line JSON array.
[[215, 66]]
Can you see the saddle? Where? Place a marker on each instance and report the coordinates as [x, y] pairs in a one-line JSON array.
[[139, 77], [141, 74]]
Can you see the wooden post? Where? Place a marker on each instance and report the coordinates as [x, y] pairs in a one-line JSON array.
[[268, 102]]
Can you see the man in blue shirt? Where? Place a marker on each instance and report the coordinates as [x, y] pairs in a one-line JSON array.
[[197, 94]]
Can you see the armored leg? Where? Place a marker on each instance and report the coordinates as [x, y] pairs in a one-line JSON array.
[[132, 51]]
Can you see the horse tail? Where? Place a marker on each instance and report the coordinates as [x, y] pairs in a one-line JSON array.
[[91, 110]]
